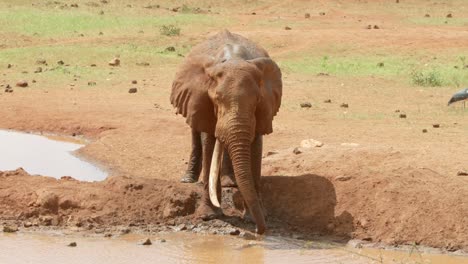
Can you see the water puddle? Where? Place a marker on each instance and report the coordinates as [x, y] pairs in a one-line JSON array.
[[191, 248], [50, 156]]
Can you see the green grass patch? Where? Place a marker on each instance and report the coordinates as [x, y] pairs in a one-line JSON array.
[[53, 23], [439, 21]]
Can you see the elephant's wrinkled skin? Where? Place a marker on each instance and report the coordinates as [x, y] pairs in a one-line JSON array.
[[230, 89]]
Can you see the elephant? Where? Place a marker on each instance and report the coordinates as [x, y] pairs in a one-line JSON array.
[[229, 89]]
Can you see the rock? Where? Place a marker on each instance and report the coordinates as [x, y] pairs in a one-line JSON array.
[[369, 26], [41, 61], [435, 125], [38, 70], [170, 49], [33, 81], [287, 28], [402, 115], [142, 64], [307, 15], [449, 15], [146, 242], [323, 74], [297, 151], [234, 232], [427, 15], [101, 12], [247, 235], [380, 64], [134, 82], [132, 90], [397, 111], [60, 62], [101, 33], [424, 130], [343, 178], [74, 5], [180, 227], [253, 13], [376, 27], [91, 83], [328, 101], [10, 229], [162, 240], [322, 13], [93, 65], [311, 143], [22, 83], [72, 244], [306, 105], [27, 224], [462, 173], [9, 66], [344, 105], [46, 220], [114, 62], [355, 243]]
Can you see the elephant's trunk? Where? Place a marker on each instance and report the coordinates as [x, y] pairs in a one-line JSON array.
[[239, 147]]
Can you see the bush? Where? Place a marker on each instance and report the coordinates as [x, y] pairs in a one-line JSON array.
[[169, 30], [426, 79]]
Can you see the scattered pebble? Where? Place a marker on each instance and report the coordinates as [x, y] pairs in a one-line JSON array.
[[27, 224], [402, 115], [344, 105], [60, 62], [22, 83], [306, 105], [297, 151], [100, 33], [38, 70], [424, 130], [72, 244], [132, 90], [9, 66], [462, 173], [435, 125], [328, 101], [114, 62], [311, 143], [287, 28], [322, 13], [376, 27], [93, 65], [397, 111], [170, 49], [146, 242], [10, 229], [380, 64], [163, 240], [234, 232], [41, 61], [369, 26], [142, 64], [253, 13], [449, 15], [74, 5], [91, 83], [307, 15], [427, 15], [134, 82]]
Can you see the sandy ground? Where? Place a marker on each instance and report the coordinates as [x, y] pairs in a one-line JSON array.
[[389, 182]]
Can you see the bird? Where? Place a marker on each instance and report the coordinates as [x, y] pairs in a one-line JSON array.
[[459, 96]]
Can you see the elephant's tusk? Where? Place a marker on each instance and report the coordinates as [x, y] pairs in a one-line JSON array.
[[214, 172]]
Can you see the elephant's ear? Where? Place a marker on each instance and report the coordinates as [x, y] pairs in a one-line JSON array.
[[271, 89], [190, 94]]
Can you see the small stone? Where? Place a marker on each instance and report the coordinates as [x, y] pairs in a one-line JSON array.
[[162, 240], [343, 178], [41, 61], [322, 13], [101, 12], [307, 15], [114, 62], [424, 130], [60, 62], [287, 28], [145, 64], [93, 65], [38, 70], [134, 82], [376, 27], [380, 64], [33, 81], [427, 15], [462, 173], [9, 66], [234, 232], [402, 115], [27, 224], [306, 105], [328, 101], [101, 33], [253, 13], [180, 227], [74, 5], [170, 49], [435, 125], [297, 151], [91, 83], [311, 143], [132, 90], [344, 105], [397, 111], [449, 15], [10, 229], [22, 83], [247, 236], [72, 244], [146, 242], [108, 235]]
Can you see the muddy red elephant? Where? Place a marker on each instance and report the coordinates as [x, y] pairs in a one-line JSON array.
[[229, 89]]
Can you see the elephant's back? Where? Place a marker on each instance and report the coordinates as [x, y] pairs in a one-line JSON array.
[[215, 46]]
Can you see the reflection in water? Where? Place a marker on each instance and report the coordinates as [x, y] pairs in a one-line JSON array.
[[41, 155], [191, 248]]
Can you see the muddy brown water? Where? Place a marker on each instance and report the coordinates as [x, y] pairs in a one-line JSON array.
[[191, 248], [51, 156]]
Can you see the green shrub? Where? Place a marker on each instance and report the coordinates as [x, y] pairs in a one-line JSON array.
[[431, 78], [170, 30]]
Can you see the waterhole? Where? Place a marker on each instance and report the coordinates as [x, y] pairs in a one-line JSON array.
[[48, 156], [192, 248]]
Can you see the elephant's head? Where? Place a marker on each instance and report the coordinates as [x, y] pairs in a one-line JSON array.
[[235, 100]]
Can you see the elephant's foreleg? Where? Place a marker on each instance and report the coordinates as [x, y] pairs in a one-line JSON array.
[[207, 210], [195, 161], [227, 172]]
